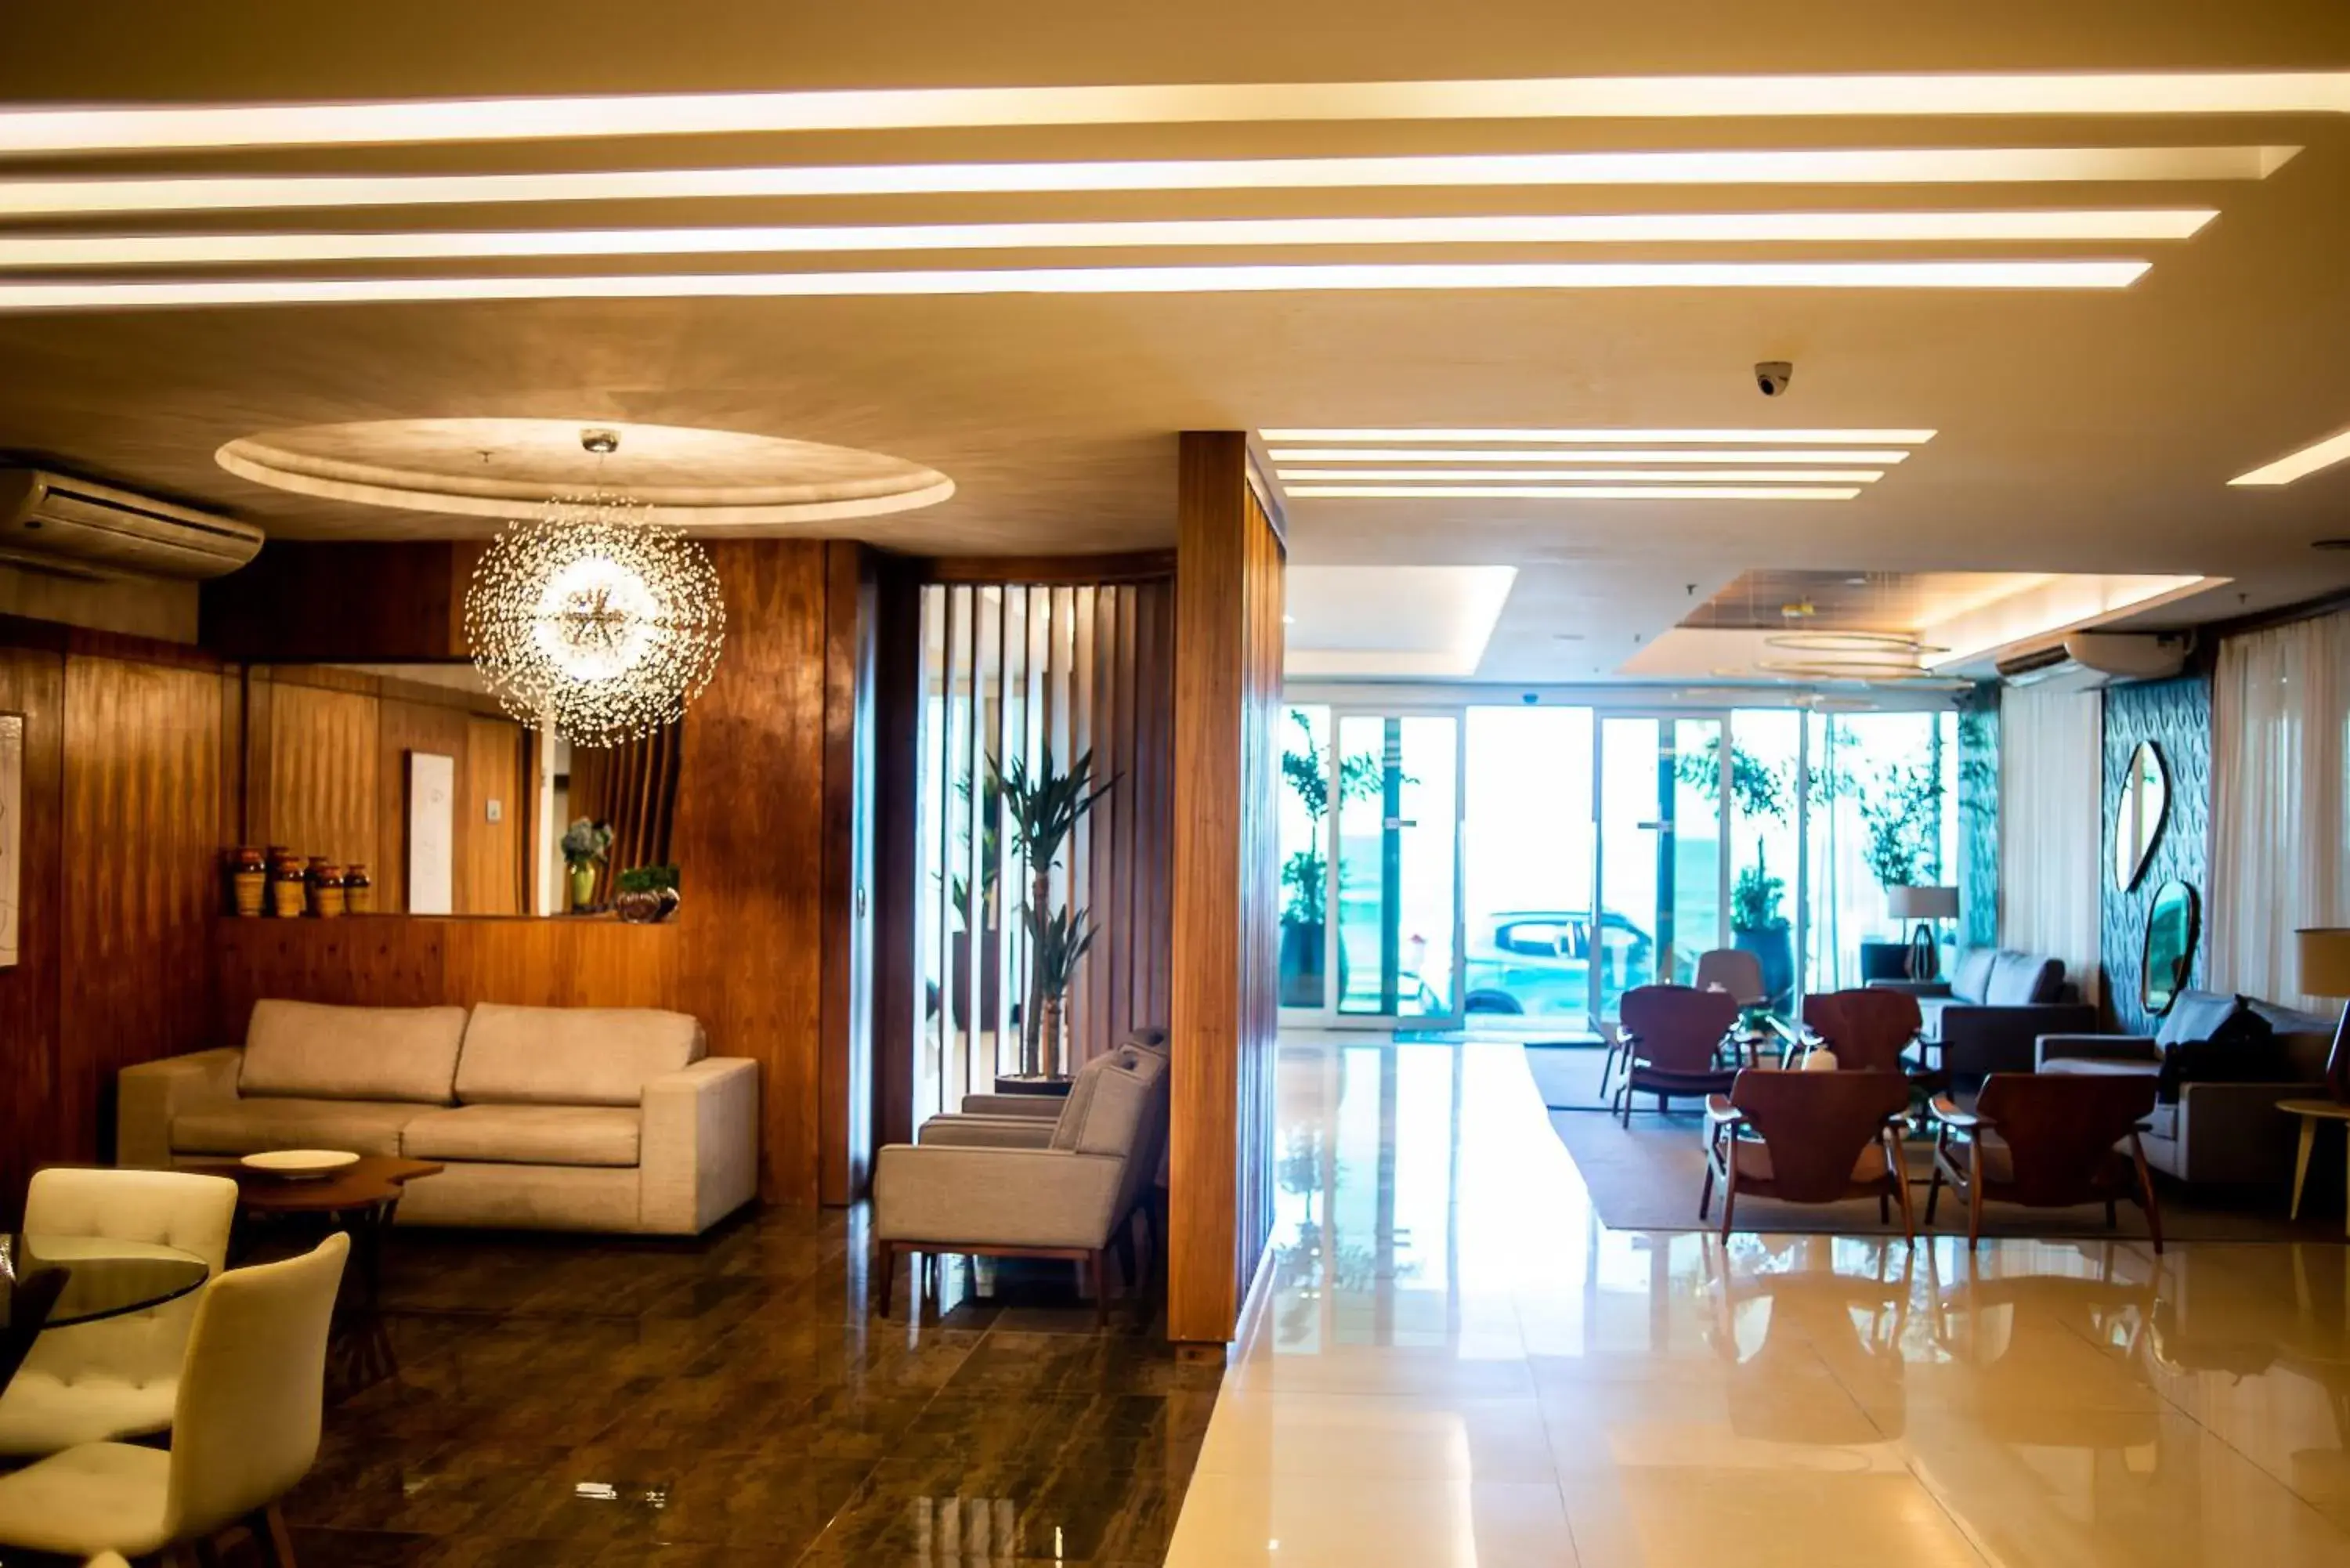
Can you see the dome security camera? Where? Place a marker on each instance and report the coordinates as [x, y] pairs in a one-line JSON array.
[[1772, 376]]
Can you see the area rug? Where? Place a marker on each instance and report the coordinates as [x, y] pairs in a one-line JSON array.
[[1647, 1177], [1567, 1072]]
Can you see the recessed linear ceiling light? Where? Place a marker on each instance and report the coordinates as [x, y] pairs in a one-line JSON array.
[[415, 120], [2296, 465], [152, 250], [1312, 277], [1567, 493], [53, 197], [1625, 437], [1680, 475], [1874, 456]]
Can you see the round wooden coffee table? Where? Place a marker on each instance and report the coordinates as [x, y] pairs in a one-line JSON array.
[[359, 1198]]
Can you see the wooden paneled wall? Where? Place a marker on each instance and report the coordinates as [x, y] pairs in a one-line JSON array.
[[123, 760], [765, 951], [326, 773], [1228, 658]]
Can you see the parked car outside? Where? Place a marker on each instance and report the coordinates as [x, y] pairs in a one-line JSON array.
[[1539, 961]]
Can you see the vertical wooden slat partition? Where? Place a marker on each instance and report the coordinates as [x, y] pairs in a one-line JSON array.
[[1013, 669], [1226, 869]]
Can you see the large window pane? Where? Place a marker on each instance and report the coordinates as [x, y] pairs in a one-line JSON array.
[[1527, 877], [1765, 842], [1398, 869], [1882, 814], [1302, 830], [1660, 853]]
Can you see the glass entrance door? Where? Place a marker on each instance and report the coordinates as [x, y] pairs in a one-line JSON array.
[[1663, 880], [1394, 822]]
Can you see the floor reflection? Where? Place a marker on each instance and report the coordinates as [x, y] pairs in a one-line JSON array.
[[1458, 1365]]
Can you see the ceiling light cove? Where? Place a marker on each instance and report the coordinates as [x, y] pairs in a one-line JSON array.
[[2325, 453], [1755, 436], [58, 197], [1874, 456], [1567, 493], [417, 121], [1306, 278], [1594, 475]]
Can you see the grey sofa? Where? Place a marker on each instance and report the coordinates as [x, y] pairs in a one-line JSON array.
[[2219, 1133], [1988, 1017]]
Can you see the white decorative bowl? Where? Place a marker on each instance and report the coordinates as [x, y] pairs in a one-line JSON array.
[[300, 1164]]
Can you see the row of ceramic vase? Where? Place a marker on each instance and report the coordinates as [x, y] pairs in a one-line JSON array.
[[279, 883]]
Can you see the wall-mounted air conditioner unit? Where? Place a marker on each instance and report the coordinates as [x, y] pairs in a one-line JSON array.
[[72, 528], [2084, 660]]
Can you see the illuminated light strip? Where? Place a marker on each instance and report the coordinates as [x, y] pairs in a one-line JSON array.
[[425, 120], [1302, 277], [152, 250], [54, 197], [1568, 493], [1626, 437], [1878, 456], [1680, 475], [2325, 453]]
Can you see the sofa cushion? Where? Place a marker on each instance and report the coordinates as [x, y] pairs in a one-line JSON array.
[[525, 1134], [1973, 974], [2238, 1049], [250, 1127], [2020, 979], [571, 1055], [1116, 1091], [311, 1052], [2194, 1015], [2101, 1067]]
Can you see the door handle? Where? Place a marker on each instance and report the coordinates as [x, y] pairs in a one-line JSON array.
[[1394, 822]]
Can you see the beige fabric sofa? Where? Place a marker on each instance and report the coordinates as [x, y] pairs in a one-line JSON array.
[[546, 1117]]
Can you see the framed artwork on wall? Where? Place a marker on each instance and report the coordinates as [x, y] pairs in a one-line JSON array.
[[11, 835], [432, 834]]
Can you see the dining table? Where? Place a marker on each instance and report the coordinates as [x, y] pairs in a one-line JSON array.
[[51, 1281]]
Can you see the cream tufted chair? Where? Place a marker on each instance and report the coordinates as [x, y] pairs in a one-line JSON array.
[[95, 1382], [244, 1431]]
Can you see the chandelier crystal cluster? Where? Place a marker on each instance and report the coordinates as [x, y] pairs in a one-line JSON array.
[[594, 619]]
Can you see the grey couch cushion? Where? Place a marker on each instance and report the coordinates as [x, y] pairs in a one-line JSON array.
[[2195, 1015], [1973, 974], [311, 1052], [250, 1127], [525, 1134], [2020, 979]]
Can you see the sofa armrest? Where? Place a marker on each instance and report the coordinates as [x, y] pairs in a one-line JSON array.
[[2097, 1048], [1034, 1107], [995, 1197], [986, 1132], [2233, 1134], [1978, 1040], [152, 1095], [698, 1154], [1919, 988]]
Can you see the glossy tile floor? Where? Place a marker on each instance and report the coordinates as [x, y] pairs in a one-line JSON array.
[[1459, 1366], [538, 1402]]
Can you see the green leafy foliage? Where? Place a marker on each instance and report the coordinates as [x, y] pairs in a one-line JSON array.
[[646, 879], [587, 843], [1756, 896], [1305, 875], [1903, 814]]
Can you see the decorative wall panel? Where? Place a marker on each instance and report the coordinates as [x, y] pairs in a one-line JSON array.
[[2175, 715], [1978, 866]]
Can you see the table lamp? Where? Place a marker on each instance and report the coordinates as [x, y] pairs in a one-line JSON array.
[[2326, 971], [1923, 905]]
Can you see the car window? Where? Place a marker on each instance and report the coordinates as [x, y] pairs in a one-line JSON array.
[[1541, 938]]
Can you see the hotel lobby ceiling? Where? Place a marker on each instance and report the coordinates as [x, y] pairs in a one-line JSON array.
[[2076, 430]]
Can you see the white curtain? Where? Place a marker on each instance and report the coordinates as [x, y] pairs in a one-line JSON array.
[[2050, 827], [2280, 741]]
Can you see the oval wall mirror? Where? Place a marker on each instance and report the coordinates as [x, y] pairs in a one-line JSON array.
[[2138, 814], [2170, 933]]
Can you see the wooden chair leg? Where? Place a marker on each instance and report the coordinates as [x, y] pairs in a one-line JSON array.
[[1729, 1199], [1705, 1193], [1124, 1244], [270, 1528], [1897, 1167], [1934, 1183], [1975, 1199], [1884, 1209], [2145, 1193]]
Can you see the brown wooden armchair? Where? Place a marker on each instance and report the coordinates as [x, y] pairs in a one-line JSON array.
[[1871, 1029], [1819, 1137], [2046, 1141], [1672, 1040]]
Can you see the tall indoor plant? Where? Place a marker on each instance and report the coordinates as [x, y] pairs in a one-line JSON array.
[[1041, 809], [1757, 923], [1305, 874]]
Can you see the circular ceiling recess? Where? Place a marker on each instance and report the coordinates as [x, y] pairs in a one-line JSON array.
[[509, 468]]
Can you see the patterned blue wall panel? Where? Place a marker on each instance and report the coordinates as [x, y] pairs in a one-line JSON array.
[[1978, 865], [2175, 715]]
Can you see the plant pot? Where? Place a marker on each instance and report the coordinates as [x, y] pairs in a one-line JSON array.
[[583, 887], [1302, 950], [992, 986], [1773, 948]]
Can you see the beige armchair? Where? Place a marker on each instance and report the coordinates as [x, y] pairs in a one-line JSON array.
[[100, 1382], [245, 1430], [1020, 1186]]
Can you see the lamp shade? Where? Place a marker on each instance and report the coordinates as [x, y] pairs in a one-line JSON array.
[[1922, 903], [2325, 960]]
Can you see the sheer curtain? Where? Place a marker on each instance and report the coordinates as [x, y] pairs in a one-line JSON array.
[[2051, 820], [2280, 741]]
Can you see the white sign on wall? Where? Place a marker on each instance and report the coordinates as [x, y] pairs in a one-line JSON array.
[[432, 834]]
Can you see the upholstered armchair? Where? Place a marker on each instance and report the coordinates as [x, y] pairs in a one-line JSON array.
[[1017, 1186]]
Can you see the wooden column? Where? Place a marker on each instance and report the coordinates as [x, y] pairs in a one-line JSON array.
[[1228, 648]]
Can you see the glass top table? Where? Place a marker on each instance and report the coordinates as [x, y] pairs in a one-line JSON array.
[[53, 1281]]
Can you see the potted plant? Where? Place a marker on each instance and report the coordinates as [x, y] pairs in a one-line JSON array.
[[991, 924], [1305, 874], [1042, 808], [1757, 925], [586, 844], [646, 895]]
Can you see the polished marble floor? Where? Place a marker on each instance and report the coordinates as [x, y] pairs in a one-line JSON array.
[[1459, 1367], [542, 1402]]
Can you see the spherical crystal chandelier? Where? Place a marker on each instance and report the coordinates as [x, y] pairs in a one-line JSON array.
[[594, 619]]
